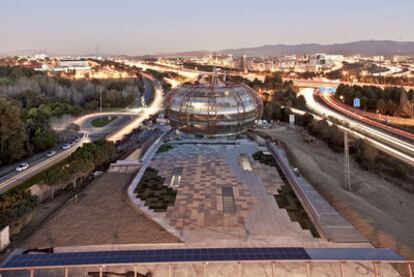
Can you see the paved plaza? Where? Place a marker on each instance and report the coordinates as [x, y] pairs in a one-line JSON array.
[[198, 213]]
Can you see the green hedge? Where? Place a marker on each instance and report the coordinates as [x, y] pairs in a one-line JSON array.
[[14, 205], [17, 202]]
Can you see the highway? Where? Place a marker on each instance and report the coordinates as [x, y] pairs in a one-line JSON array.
[[127, 121], [394, 146], [156, 105], [14, 178], [304, 83], [343, 108], [382, 147], [378, 117]]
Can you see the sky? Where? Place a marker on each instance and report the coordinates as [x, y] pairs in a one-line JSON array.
[[136, 27]]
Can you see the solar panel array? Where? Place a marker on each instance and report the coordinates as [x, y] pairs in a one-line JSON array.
[[198, 255], [383, 254], [157, 256]]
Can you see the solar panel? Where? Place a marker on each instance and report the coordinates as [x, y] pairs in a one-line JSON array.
[[199, 255], [156, 256], [353, 254]]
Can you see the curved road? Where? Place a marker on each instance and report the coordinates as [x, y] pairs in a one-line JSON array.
[[129, 120], [394, 146], [378, 117], [343, 108]]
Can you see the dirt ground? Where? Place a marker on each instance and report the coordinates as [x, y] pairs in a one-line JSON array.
[[101, 215], [383, 212]]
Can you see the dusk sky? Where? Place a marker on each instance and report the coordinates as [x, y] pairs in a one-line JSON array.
[[147, 27]]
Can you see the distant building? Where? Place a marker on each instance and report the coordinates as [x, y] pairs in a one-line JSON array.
[[40, 56], [68, 65], [243, 63]]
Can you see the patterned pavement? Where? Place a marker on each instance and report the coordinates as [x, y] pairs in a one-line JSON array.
[[199, 198], [198, 212]]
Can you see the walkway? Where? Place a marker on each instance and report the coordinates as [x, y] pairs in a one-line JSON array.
[[332, 225]]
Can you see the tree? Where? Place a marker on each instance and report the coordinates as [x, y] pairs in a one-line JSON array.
[[336, 137], [300, 102], [272, 110], [321, 129], [266, 95], [15, 148], [381, 106], [56, 176], [14, 205], [44, 139], [366, 153], [307, 119], [102, 151], [80, 169], [83, 153], [390, 107], [10, 122]]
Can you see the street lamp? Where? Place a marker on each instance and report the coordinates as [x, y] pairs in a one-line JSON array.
[[100, 101]]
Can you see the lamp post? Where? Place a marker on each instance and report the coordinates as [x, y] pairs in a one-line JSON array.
[[100, 101]]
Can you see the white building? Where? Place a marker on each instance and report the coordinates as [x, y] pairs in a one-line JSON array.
[[68, 65]]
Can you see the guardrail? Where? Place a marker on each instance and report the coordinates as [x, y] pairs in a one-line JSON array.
[[405, 267], [310, 209]]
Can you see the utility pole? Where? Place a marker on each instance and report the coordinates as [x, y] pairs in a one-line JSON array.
[[100, 101], [347, 171]]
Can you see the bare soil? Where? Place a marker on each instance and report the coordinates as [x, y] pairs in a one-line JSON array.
[[383, 212], [101, 215]]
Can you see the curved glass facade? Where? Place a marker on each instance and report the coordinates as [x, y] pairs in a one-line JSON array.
[[214, 109]]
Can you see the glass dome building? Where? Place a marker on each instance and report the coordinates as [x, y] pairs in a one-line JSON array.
[[214, 109]]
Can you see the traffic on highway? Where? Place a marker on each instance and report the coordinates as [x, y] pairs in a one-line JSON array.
[[392, 145], [339, 106], [25, 170]]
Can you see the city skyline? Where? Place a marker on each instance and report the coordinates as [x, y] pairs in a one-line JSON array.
[[138, 28]]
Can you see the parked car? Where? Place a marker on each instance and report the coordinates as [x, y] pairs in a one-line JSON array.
[[66, 146], [50, 154], [22, 167]]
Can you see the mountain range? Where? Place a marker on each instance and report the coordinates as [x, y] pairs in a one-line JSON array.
[[363, 47]]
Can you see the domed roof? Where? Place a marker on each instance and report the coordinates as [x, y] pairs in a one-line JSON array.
[[218, 108]]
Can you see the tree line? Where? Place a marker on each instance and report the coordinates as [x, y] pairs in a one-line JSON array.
[[388, 101], [31, 100], [277, 95], [367, 156]]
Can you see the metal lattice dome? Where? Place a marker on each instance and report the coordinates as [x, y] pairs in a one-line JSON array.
[[214, 109]]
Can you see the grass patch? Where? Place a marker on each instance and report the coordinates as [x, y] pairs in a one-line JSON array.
[[286, 199], [151, 189], [264, 159], [102, 121], [165, 148]]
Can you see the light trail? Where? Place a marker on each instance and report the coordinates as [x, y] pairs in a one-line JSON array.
[[389, 144]]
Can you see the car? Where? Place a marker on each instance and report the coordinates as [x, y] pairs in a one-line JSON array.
[[66, 146], [22, 167], [50, 154]]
